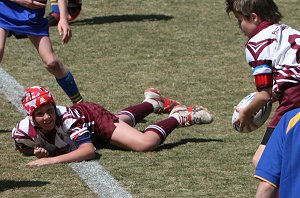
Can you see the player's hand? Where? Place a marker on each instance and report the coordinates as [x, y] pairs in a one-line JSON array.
[[40, 152], [32, 4], [42, 162], [64, 30], [245, 121]]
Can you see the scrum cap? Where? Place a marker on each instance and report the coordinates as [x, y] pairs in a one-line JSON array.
[[35, 97]]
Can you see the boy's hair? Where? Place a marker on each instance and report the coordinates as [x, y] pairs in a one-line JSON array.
[[267, 10]]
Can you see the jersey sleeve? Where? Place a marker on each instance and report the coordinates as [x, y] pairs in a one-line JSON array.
[[263, 76], [80, 134], [77, 126], [24, 143]]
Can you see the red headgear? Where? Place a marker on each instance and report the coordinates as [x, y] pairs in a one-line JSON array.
[[35, 97]]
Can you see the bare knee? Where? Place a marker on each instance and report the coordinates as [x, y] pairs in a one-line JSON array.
[[144, 146], [55, 67], [125, 118]]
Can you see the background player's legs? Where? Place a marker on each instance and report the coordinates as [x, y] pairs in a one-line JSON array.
[[63, 76]]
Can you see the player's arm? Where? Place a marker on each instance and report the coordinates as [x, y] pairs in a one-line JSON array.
[[30, 4], [264, 83], [245, 114], [63, 26], [261, 98], [24, 150], [85, 151], [265, 190], [23, 143]]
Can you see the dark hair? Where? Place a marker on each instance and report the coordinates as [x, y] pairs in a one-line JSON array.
[[267, 10]]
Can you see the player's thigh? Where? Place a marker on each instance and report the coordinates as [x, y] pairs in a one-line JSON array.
[[44, 47], [127, 137], [3, 36]]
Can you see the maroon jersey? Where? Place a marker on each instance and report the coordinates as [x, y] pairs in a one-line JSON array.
[[80, 123]]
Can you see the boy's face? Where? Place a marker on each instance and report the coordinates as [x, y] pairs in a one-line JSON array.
[[247, 26], [45, 117]]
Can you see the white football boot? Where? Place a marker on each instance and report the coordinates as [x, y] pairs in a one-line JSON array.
[[159, 103], [187, 116]]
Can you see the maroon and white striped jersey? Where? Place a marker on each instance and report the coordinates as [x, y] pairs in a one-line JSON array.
[[273, 53], [71, 128]]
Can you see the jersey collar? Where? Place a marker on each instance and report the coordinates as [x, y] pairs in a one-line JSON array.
[[260, 27]]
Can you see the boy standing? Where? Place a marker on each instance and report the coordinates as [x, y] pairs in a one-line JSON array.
[[272, 51], [26, 17]]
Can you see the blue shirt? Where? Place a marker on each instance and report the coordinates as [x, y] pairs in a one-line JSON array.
[[280, 161]]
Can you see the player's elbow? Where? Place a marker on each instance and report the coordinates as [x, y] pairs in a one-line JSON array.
[[87, 151], [91, 156]]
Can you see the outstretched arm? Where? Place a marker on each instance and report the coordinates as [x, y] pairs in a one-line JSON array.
[[85, 151]]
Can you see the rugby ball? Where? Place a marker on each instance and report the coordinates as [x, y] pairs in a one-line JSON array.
[[259, 118]]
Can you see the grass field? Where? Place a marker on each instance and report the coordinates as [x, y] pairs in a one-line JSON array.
[[189, 50]]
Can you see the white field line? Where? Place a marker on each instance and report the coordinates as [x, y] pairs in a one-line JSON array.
[[92, 173]]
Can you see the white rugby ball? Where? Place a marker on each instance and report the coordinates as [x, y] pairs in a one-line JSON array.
[[259, 118]]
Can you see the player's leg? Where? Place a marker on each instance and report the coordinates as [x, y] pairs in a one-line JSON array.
[[44, 47], [3, 36], [288, 101], [63, 76], [262, 146], [258, 154], [153, 102], [126, 137]]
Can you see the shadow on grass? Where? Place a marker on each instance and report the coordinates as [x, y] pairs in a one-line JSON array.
[[10, 184], [185, 141], [5, 130], [166, 146], [122, 18]]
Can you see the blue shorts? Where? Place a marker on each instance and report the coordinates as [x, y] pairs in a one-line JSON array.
[[18, 19]]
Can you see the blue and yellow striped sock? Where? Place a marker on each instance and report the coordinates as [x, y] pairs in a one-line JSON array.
[[69, 86]]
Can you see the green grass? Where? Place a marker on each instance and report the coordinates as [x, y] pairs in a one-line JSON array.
[[189, 50]]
